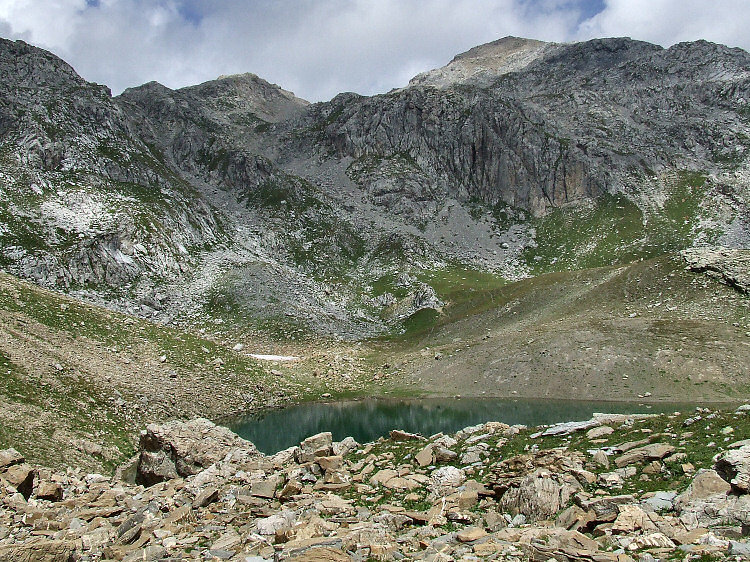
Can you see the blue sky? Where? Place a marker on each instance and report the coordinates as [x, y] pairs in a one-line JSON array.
[[318, 48]]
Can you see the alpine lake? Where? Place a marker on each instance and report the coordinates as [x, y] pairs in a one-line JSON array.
[[366, 420]]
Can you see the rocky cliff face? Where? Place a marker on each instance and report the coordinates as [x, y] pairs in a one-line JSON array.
[[187, 201], [538, 126]]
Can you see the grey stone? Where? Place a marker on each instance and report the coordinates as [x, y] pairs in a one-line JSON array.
[[739, 548], [147, 554], [734, 467], [661, 501], [729, 265], [50, 491], [654, 451], [9, 457], [184, 448], [21, 477], [319, 445], [206, 497]]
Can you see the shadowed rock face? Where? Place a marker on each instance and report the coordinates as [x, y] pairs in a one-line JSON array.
[[158, 193]]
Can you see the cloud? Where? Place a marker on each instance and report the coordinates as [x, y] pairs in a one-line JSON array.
[[667, 22], [318, 48]]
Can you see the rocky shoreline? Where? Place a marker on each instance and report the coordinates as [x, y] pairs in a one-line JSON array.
[[616, 487]]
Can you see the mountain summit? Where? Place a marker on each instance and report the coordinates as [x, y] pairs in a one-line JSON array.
[[518, 157]]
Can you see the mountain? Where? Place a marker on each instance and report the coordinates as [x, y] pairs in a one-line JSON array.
[[235, 205]]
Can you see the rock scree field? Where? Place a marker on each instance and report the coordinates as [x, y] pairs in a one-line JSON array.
[[616, 487]]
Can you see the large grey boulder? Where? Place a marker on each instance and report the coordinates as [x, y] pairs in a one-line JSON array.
[[734, 467], [705, 484], [538, 495], [10, 457], [181, 449], [15, 471], [654, 451], [318, 445]]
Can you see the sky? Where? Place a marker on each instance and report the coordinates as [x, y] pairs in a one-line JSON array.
[[318, 48]]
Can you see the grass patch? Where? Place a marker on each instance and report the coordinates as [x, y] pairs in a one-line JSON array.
[[464, 291], [615, 231]]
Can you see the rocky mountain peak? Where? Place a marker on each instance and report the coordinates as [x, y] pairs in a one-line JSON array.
[[248, 93], [481, 65], [508, 54], [500, 50], [25, 66]]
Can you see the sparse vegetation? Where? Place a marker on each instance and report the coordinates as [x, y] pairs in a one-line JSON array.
[[615, 231]]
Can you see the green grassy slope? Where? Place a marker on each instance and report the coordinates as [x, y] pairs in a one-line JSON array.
[[72, 375], [604, 333]]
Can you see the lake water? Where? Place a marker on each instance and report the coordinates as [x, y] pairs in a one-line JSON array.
[[366, 420]]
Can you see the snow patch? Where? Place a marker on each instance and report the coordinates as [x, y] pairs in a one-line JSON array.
[[274, 357]]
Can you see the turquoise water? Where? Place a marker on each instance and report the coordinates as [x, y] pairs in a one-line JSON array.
[[366, 420]]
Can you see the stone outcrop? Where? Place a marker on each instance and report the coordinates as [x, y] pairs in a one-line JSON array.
[[654, 451], [731, 266], [734, 467], [180, 449]]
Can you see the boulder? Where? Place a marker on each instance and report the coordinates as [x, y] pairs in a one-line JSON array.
[[632, 518], [471, 534], [705, 484], [660, 501], [148, 554], [50, 491], [444, 455], [739, 548], [446, 478], [343, 448], [182, 449], [652, 540], [318, 445], [538, 495], [330, 464], [654, 451], [290, 489], [557, 544], [323, 554], [206, 497], [707, 501], [574, 518], [734, 467], [606, 508], [277, 522], [600, 458], [46, 550], [424, 457], [400, 435], [21, 477], [9, 457], [264, 488], [597, 432]]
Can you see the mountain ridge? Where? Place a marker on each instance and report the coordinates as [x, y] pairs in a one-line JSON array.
[[194, 189]]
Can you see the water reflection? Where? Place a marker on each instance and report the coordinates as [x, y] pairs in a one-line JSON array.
[[366, 420]]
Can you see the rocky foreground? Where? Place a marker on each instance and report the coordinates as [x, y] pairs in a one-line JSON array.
[[617, 487]]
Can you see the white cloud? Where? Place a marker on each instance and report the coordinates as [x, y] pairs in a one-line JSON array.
[[322, 47], [55, 21], [667, 22]]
